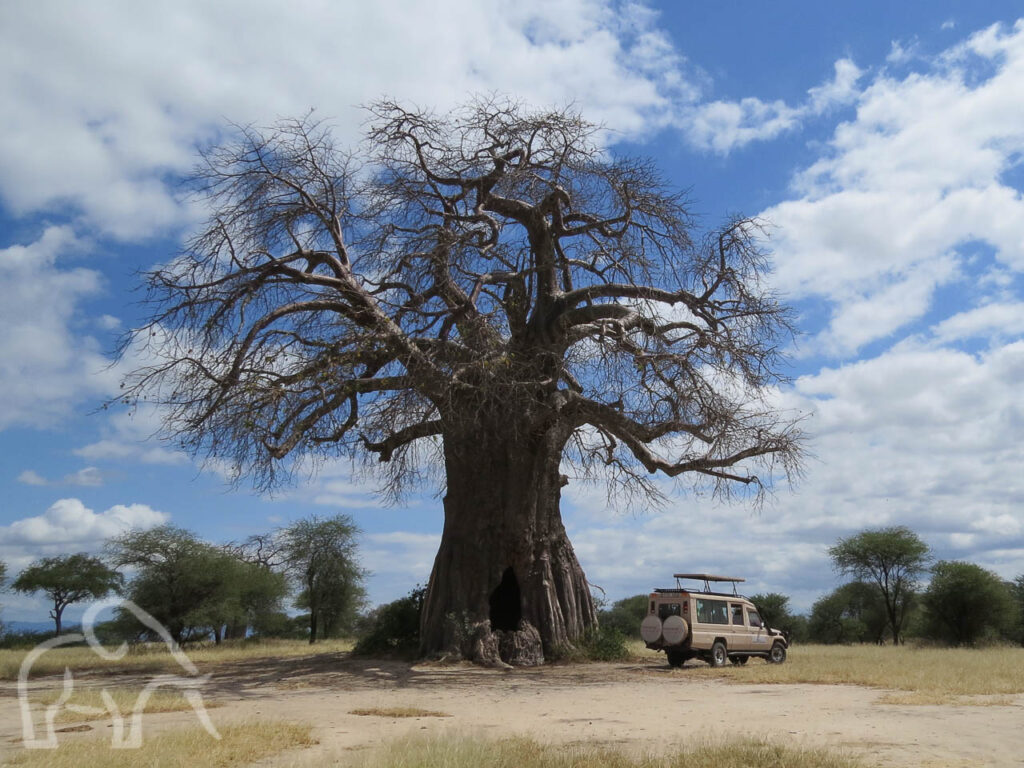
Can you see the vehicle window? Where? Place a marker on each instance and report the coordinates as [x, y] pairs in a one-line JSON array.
[[737, 615], [652, 606], [668, 609], [712, 612], [755, 620]]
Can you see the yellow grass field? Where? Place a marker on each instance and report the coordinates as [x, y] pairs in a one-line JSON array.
[[464, 752], [87, 703], [927, 675], [152, 658], [240, 745]]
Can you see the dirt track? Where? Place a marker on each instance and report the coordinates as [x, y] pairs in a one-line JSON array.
[[635, 706]]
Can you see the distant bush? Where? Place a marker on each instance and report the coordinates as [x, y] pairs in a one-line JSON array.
[[392, 629], [23, 640], [606, 643], [278, 624], [625, 615]]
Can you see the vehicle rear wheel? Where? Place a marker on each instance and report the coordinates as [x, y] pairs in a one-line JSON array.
[[675, 658], [718, 655], [777, 655]]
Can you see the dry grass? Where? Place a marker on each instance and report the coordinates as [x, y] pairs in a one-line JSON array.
[[934, 675], [638, 651], [183, 748], [919, 698], [86, 699], [395, 712], [154, 657], [464, 752]]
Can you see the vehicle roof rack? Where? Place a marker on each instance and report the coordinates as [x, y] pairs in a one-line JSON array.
[[707, 578]]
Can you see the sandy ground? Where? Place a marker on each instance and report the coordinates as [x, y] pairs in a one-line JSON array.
[[634, 706]]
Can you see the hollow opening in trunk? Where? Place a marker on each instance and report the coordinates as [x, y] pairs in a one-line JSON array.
[[506, 605]]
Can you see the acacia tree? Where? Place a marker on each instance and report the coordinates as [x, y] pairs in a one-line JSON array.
[[486, 294], [321, 556], [68, 579], [965, 603], [893, 560], [193, 588]]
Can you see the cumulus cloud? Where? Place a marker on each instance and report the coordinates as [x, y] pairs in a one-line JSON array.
[[127, 102], [907, 191], [922, 436], [69, 526], [722, 126], [130, 435], [999, 320], [45, 367]]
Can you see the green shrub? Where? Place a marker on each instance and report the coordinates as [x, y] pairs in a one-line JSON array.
[[392, 629], [26, 639], [625, 615], [602, 644], [605, 644]]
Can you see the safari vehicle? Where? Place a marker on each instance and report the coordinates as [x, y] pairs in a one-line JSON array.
[[704, 624]]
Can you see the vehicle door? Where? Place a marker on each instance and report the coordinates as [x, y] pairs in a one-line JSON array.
[[759, 639], [740, 631]]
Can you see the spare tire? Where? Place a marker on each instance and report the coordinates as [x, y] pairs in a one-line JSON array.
[[650, 628], [674, 630]]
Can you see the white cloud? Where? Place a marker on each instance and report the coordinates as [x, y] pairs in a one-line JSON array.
[[87, 476], [69, 526], [991, 321], [917, 179], [918, 436], [31, 477], [722, 126], [839, 91], [45, 368], [901, 54], [125, 90], [398, 561], [131, 435]]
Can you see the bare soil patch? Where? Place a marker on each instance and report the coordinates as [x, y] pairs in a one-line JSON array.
[[636, 706]]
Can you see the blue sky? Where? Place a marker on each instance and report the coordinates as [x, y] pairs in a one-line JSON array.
[[882, 141]]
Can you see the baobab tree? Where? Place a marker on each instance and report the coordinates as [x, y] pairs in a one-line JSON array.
[[483, 299]]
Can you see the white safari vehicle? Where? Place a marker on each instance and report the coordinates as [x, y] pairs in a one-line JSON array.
[[713, 626]]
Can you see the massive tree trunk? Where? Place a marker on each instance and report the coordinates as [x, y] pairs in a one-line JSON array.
[[506, 586]]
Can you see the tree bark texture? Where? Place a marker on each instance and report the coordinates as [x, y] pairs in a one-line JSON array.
[[506, 586]]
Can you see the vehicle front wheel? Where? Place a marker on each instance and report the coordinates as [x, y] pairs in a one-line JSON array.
[[718, 655], [777, 655]]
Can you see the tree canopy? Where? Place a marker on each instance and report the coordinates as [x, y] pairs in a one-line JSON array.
[[194, 588], [892, 559], [852, 613], [965, 604], [477, 298], [320, 554], [68, 579]]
